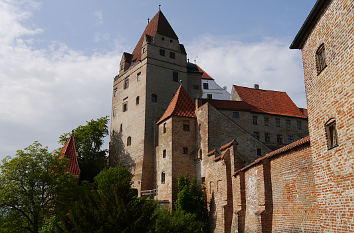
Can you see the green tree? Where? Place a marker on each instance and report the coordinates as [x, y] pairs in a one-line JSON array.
[[191, 199], [113, 206], [89, 139], [30, 186]]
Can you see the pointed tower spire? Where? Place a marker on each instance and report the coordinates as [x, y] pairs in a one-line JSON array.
[[69, 151], [181, 105]]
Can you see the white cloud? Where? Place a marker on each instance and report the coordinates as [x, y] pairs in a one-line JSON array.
[[269, 63], [46, 92], [99, 17]]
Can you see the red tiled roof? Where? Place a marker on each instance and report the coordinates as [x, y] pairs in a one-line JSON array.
[[229, 105], [211, 152], [272, 102], [304, 111], [220, 157], [181, 105], [291, 146], [69, 150], [205, 75], [158, 24], [227, 145]]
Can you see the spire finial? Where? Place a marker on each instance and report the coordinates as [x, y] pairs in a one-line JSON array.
[[160, 7]]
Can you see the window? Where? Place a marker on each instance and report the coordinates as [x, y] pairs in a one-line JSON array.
[[144, 50], [154, 98], [206, 86], [126, 83], [164, 128], [267, 137], [299, 126], [114, 111], [164, 154], [288, 124], [331, 132], [171, 41], [172, 55], [138, 77], [162, 38], [280, 139], [290, 138], [196, 87], [185, 150], [203, 180], [277, 122], [121, 128], [125, 106], [186, 126], [115, 92], [162, 52], [320, 59], [163, 177], [175, 76], [259, 151], [256, 134], [200, 154], [254, 120], [235, 115], [129, 141], [266, 121], [209, 96], [137, 100]]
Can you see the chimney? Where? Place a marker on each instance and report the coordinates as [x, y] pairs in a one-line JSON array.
[[256, 86]]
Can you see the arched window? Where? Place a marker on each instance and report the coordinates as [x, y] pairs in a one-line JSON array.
[[163, 177], [129, 141]]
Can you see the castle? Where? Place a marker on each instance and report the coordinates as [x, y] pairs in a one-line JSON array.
[[261, 171]]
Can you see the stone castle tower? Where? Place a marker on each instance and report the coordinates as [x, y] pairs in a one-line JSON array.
[[147, 81]]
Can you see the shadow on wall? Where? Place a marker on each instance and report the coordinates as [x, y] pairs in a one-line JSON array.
[[267, 215], [212, 213], [117, 152]]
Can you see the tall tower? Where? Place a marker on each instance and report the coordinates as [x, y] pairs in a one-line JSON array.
[[147, 81]]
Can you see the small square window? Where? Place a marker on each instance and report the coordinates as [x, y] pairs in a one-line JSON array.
[[299, 125], [235, 115], [175, 76], [115, 92], [255, 120], [288, 124], [185, 150], [320, 59], [125, 106], [331, 133], [209, 96], [154, 98], [280, 139], [277, 122], [186, 126], [266, 121], [267, 137], [172, 55], [206, 86], [290, 138], [138, 76], [164, 154], [164, 128], [259, 151], [256, 134], [196, 87], [126, 83], [162, 52]]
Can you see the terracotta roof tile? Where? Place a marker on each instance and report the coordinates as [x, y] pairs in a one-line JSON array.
[[222, 156], [211, 152], [291, 146], [229, 105], [272, 102], [69, 150], [181, 105], [205, 75], [227, 145], [158, 24]]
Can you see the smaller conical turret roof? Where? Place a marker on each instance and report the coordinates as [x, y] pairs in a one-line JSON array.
[[181, 105], [69, 151]]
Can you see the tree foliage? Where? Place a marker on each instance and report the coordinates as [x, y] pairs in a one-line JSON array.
[[89, 139], [31, 185]]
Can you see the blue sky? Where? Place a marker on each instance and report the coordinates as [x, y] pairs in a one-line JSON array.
[[58, 58]]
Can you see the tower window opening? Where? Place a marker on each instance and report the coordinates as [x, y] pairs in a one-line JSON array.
[[138, 76], [125, 106], [331, 132], [126, 83], [163, 177], [164, 154], [320, 59], [164, 128], [137, 100], [129, 141]]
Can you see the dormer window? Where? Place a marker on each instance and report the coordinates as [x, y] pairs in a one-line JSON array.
[[331, 132], [320, 59]]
